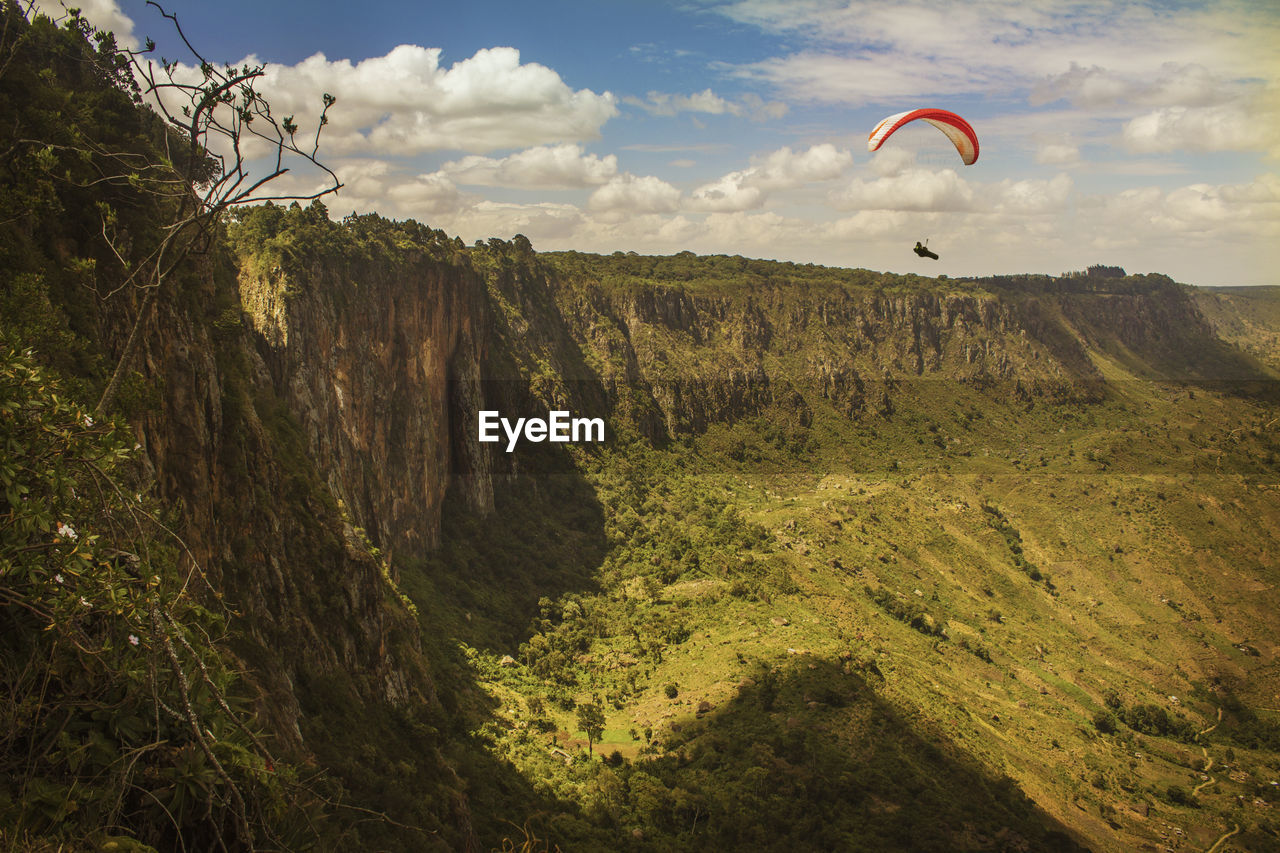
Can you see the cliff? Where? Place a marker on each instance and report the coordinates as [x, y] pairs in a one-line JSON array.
[[378, 359]]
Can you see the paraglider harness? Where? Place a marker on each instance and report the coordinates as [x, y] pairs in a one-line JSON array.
[[923, 251]]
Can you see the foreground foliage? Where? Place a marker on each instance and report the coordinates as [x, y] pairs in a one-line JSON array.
[[119, 708]]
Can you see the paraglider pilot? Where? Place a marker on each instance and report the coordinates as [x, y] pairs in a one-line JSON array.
[[923, 251]]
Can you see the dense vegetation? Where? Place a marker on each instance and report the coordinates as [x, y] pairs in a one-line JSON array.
[[128, 718]]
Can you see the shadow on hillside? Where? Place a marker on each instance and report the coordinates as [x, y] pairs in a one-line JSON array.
[[806, 756], [545, 538]]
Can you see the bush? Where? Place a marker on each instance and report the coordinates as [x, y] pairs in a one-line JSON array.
[[671, 690]]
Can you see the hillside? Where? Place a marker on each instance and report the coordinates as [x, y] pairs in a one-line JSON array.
[[1246, 317], [868, 561]]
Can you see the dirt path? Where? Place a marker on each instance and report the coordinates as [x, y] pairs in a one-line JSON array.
[[1198, 788], [1220, 841], [1214, 726], [1211, 780]]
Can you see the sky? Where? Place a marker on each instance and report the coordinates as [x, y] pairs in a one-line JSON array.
[[1139, 134]]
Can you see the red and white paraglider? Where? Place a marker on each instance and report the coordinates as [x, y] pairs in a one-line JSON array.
[[959, 131]]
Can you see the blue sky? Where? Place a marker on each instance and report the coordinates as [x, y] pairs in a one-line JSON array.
[[1140, 134]]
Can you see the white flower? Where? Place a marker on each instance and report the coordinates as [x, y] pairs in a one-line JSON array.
[[58, 577], [88, 421], [133, 639], [84, 602], [66, 531]]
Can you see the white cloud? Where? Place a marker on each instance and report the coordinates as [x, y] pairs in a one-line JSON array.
[[892, 161], [547, 167], [377, 186], [103, 14], [628, 193], [912, 189], [783, 169], [945, 190], [1250, 123], [882, 51], [426, 195], [708, 102], [1058, 154], [867, 225], [731, 192], [738, 231], [1174, 84], [1200, 213], [536, 221], [1031, 196], [665, 104], [406, 103]]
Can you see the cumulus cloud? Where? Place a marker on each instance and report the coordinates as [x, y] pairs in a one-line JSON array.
[[738, 230], [780, 170], [867, 225], [426, 194], [628, 193], [784, 168], [944, 190], [103, 14], [1250, 123], [546, 167], [371, 185], [911, 189], [892, 161], [1030, 196], [1198, 213], [728, 193], [536, 221], [407, 103]]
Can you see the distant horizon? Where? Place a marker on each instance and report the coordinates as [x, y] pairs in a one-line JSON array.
[[942, 276], [1142, 135]]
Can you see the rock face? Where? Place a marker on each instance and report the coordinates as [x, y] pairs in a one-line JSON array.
[[380, 363], [261, 531]]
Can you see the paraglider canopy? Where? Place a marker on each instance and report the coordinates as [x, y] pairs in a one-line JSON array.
[[957, 130], [923, 251]]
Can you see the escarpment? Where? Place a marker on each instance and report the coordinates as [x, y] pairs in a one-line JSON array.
[[703, 355]]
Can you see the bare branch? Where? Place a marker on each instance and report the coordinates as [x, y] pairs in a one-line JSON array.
[[215, 116]]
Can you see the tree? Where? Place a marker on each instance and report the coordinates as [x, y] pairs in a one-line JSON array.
[[217, 126], [591, 721]]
